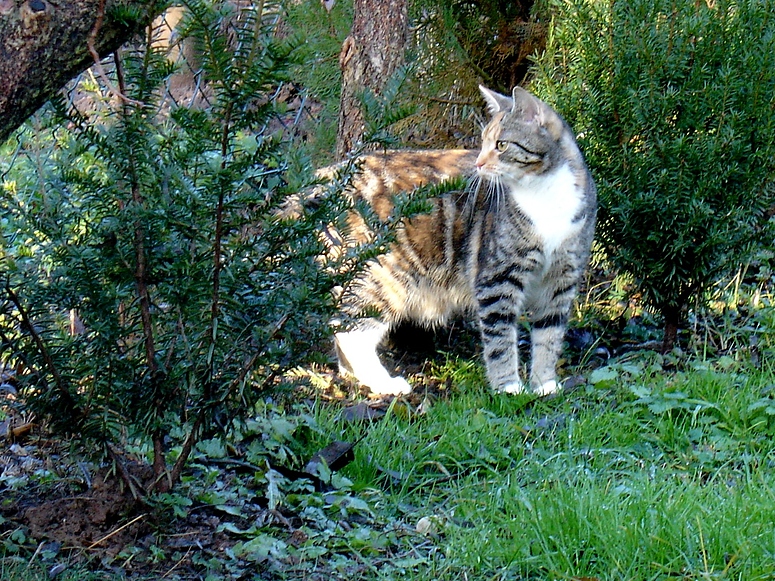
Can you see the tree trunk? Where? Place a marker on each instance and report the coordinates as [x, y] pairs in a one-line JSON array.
[[44, 44], [370, 55], [672, 317]]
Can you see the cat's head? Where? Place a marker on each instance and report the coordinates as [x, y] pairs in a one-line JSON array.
[[521, 139]]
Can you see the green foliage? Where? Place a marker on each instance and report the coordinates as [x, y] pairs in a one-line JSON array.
[[673, 105], [318, 72], [159, 230], [453, 47], [638, 474], [456, 46], [492, 38], [382, 111]]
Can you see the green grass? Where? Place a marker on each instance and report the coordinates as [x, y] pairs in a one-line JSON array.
[[645, 474], [20, 570], [655, 469]]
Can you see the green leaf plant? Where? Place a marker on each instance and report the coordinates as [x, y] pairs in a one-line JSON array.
[[673, 101], [156, 231]]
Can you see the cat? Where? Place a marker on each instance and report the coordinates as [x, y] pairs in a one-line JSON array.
[[516, 241]]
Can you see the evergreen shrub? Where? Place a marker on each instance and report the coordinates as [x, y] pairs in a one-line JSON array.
[[674, 104], [157, 227]]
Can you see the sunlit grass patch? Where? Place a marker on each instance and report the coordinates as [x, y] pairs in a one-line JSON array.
[[638, 525], [642, 473]]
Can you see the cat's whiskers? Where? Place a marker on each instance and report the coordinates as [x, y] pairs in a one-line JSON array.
[[492, 190], [471, 193], [495, 192]]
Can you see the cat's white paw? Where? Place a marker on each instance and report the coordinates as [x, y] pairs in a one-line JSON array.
[[515, 387], [548, 388], [390, 386]]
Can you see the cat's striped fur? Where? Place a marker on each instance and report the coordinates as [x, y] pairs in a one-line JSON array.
[[516, 242]]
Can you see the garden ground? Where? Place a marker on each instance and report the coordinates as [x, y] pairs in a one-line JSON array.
[[647, 466]]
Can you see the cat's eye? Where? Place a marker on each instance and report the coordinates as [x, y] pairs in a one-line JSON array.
[[501, 145]]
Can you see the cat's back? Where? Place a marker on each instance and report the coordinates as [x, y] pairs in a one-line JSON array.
[[381, 175]]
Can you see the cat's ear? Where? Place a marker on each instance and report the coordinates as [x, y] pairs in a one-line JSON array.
[[532, 110], [495, 101], [526, 106]]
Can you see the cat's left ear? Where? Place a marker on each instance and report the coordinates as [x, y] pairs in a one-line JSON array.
[[526, 106], [532, 110]]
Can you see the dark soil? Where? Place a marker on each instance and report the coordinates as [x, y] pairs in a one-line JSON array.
[[92, 519], [76, 510]]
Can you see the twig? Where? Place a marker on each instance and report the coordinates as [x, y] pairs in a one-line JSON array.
[[49, 361], [160, 463], [234, 462], [191, 439], [118, 530], [256, 36], [85, 474], [207, 375], [249, 364], [141, 284], [449, 101], [36, 553], [176, 565], [143, 294], [185, 451], [125, 475], [90, 40], [217, 263]]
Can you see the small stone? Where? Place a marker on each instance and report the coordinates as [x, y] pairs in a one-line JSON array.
[[56, 570], [425, 526], [37, 5]]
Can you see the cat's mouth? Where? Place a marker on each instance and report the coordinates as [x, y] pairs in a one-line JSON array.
[[488, 172]]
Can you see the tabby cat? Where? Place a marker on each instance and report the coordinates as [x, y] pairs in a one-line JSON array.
[[515, 242]]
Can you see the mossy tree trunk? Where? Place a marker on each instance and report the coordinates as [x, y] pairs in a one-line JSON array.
[[370, 55], [44, 44]]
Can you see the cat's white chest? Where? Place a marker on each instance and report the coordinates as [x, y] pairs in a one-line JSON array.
[[551, 202]]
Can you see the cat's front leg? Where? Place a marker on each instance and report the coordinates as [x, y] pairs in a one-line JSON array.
[[546, 339], [497, 320], [357, 353]]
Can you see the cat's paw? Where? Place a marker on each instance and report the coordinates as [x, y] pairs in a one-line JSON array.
[[515, 387], [390, 386], [548, 388]]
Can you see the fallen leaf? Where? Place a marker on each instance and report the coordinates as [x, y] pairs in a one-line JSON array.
[[425, 526], [56, 570], [361, 412], [20, 432], [335, 456]]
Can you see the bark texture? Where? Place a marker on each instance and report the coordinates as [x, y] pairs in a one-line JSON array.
[[370, 55], [44, 44]]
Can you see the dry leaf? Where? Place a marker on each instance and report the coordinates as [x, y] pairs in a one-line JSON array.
[[336, 456]]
